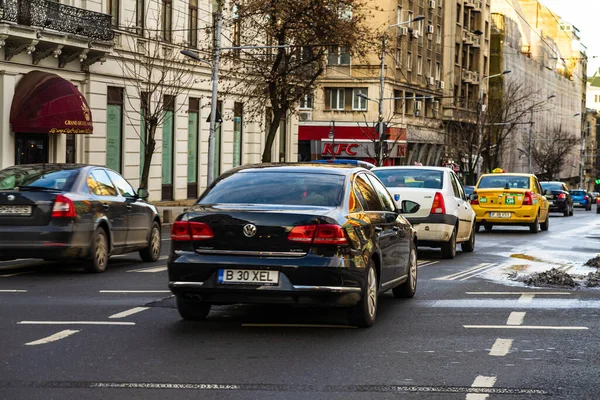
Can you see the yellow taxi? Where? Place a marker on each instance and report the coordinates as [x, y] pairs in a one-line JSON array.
[[504, 198]]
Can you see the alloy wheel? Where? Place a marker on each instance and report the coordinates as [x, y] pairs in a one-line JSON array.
[[155, 242], [372, 292], [101, 251], [413, 269]]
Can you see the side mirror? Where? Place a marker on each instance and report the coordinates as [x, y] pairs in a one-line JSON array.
[[473, 196], [410, 207], [143, 193]]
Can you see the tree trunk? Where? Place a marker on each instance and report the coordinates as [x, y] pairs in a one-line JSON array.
[[268, 151], [148, 153]]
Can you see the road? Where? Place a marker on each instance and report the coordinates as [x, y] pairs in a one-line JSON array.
[[66, 334]]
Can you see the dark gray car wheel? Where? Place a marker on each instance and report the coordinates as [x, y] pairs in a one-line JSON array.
[[469, 245], [99, 252], [409, 287], [152, 252], [192, 310], [449, 247], [364, 312]]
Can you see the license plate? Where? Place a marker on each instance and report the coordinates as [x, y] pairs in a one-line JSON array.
[[248, 276], [15, 210], [576, 203], [500, 215]]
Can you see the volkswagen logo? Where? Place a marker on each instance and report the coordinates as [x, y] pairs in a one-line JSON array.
[[249, 230], [10, 197]]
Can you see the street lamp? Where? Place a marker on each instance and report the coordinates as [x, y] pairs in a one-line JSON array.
[[382, 79]]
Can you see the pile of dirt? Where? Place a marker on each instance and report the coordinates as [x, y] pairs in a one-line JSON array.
[[593, 279], [554, 277], [593, 262]]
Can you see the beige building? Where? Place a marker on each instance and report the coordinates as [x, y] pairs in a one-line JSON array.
[[79, 46], [545, 55], [433, 72]]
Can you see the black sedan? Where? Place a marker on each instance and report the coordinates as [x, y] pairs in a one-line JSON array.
[[69, 211], [304, 234], [559, 197]]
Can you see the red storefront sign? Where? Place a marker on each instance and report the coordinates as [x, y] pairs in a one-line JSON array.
[[330, 149]]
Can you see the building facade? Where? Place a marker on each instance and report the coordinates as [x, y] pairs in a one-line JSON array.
[[546, 58], [433, 72], [84, 48]]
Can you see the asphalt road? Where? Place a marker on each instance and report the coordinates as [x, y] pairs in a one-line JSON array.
[[65, 334]]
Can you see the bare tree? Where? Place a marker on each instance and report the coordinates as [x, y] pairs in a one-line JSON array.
[[157, 73], [279, 78], [550, 153]]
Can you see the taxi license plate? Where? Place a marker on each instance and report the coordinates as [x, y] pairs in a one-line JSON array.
[[500, 215], [15, 210], [248, 276]]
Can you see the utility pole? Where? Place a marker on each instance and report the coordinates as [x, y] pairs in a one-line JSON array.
[[332, 137], [581, 158], [530, 147], [215, 89], [381, 87]]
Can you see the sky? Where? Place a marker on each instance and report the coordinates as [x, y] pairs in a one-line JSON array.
[[584, 15]]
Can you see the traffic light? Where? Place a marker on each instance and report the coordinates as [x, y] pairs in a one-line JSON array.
[[597, 181]]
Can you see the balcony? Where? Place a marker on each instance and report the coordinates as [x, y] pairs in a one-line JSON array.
[[45, 28]]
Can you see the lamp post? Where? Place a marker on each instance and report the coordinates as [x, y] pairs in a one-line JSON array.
[[382, 82], [332, 137]]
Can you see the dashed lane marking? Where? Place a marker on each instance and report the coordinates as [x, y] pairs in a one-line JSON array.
[[517, 293], [249, 325], [150, 269], [17, 273], [13, 291], [53, 338], [74, 323], [535, 327], [465, 273], [481, 382], [426, 263], [515, 318], [501, 347], [127, 313]]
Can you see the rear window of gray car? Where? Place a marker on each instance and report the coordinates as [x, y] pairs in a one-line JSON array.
[[287, 188]]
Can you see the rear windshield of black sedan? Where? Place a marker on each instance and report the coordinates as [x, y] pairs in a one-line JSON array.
[[37, 177], [288, 188], [552, 186]]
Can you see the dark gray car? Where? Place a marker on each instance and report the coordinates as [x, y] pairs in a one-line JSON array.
[[70, 211]]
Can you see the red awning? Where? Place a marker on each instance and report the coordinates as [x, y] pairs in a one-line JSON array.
[[47, 103]]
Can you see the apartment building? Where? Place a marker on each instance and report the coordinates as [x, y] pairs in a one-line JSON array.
[[65, 96], [545, 56]]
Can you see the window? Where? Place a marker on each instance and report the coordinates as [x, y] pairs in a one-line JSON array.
[[338, 56], [399, 14], [428, 69], [237, 30], [409, 61], [282, 140], [114, 127], [168, 130], [238, 134], [306, 102], [70, 149], [336, 99], [457, 54], [193, 24], [192, 161], [419, 65], [455, 188], [140, 15], [504, 181], [438, 71], [113, 10], [398, 58], [167, 20], [100, 185], [384, 195], [122, 185], [218, 141], [414, 178], [144, 104], [438, 35], [366, 194], [359, 103], [458, 12]]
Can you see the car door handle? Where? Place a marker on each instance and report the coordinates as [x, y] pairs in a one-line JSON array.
[[105, 206], [128, 207]]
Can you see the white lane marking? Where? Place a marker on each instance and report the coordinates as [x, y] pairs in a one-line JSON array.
[[483, 271], [501, 347], [135, 291], [515, 318], [457, 275], [297, 326], [73, 323], [53, 338], [555, 328], [517, 293], [481, 382], [127, 313], [150, 269], [17, 273], [13, 291], [426, 264], [161, 258], [526, 298]]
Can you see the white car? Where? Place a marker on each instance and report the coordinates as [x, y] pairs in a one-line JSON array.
[[444, 217]]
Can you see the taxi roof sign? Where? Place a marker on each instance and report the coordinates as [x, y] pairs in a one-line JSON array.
[[498, 171]]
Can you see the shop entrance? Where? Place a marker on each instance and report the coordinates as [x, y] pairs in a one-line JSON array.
[[31, 148]]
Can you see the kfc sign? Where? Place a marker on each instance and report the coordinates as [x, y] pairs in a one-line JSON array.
[[337, 149]]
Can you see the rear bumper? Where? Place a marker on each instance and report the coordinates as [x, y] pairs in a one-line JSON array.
[[583, 204], [519, 216], [434, 229], [54, 241], [558, 206], [309, 280]]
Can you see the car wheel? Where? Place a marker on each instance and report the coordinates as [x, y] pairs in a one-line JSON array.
[[588, 208], [469, 245], [566, 213], [546, 223], [477, 227], [409, 287], [363, 314], [572, 211], [449, 247], [535, 227], [488, 227], [99, 252], [152, 252], [192, 310]]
